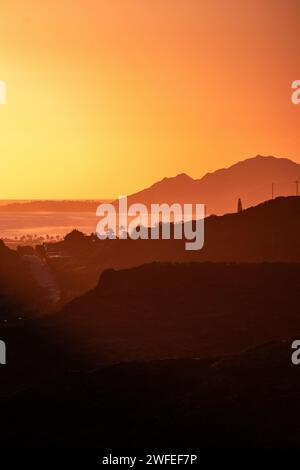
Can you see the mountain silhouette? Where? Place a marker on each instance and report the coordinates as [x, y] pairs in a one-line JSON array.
[[251, 180]]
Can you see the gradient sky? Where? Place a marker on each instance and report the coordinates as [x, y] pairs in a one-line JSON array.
[[107, 96]]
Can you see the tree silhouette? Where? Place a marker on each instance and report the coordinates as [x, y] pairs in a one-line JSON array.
[[74, 236]]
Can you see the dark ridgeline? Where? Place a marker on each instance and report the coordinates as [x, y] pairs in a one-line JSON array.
[[268, 232], [192, 354], [183, 310]]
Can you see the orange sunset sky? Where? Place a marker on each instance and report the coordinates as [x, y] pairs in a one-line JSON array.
[[104, 97]]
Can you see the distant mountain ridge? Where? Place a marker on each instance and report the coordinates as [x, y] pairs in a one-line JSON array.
[[250, 179], [52, 206]]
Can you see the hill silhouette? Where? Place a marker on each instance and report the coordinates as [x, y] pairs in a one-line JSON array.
[[265, 233], [199, 352], [251, 180], [244, 401], [176, 310], [193, 352]]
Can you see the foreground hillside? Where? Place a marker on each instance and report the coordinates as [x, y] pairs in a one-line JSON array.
[[218, 403], [158, 356], [183, 310]]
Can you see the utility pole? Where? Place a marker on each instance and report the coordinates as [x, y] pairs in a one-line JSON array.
[[297, 186]]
